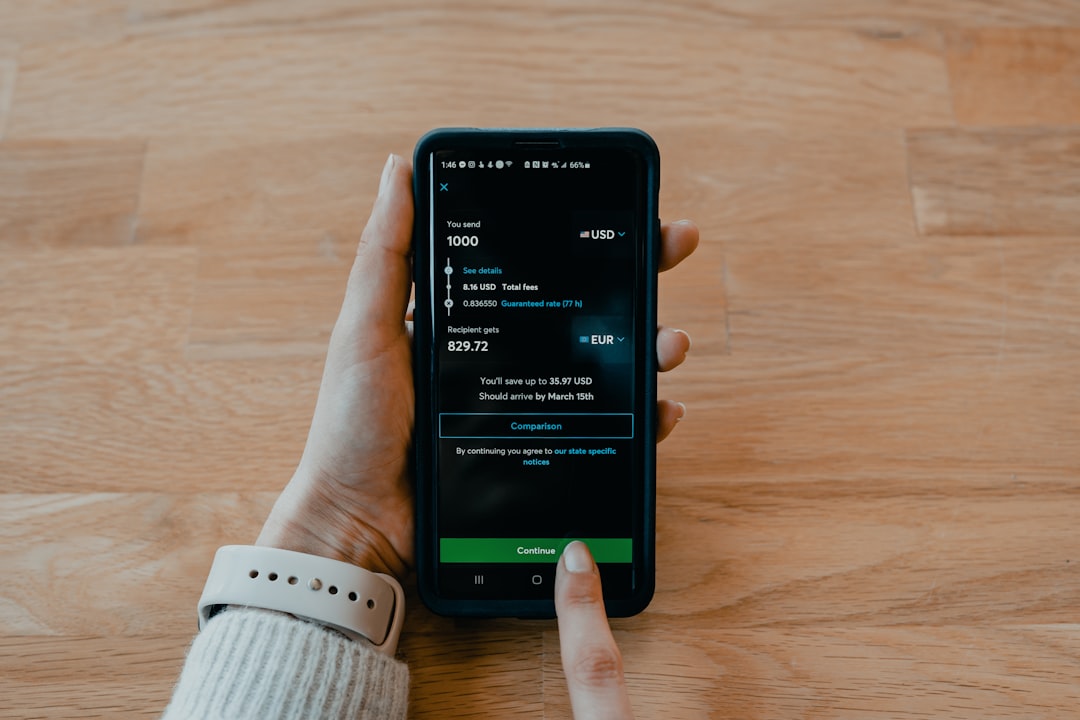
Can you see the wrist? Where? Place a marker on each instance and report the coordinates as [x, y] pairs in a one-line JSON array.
[[305, 519]]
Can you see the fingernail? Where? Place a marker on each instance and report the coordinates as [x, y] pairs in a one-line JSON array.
[[577, 558], [387, 168], [689, 340], [682, 412]]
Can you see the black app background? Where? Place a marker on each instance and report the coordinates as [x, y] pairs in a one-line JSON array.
[[545, 273]]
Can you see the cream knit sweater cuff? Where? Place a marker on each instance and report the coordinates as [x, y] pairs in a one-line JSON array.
[[250, 663]]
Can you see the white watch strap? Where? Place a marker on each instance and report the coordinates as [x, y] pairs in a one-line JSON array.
[[359, 603]]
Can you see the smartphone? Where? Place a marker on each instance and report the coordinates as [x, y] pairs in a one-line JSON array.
[[535, 259]]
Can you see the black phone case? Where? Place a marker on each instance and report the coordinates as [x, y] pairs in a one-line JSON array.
[[423, 363]]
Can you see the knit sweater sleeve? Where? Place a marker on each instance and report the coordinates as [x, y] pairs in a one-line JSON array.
[[250, 663]]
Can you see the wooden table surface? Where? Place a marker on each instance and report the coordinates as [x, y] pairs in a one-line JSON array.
[[872, 509]]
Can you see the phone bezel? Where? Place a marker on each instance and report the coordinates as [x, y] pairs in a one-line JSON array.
[[423, 362]]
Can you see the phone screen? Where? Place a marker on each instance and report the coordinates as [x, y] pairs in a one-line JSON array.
[[539, 411]]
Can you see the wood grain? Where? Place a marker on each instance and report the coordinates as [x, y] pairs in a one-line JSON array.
[[43, 20], [258, 194], [939, 421], [130, 677], [148, 538], [838, 672], [870, 508], [867, 553], [966, 296], [67, 194], [996, 182], [895, 555], [163, 427], [246, 307], [188, 16], [1023, 76], [95, 304], [246, 87], [498, 674]]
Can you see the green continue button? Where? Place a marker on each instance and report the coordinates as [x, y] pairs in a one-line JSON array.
[[530, 550]]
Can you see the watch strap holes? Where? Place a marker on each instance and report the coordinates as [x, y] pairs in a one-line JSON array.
[[253, 574]]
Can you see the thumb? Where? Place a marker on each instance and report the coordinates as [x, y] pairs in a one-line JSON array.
[[590, 658], [381, 276]]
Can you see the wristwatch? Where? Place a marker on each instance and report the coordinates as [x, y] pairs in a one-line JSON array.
[[363, 605]]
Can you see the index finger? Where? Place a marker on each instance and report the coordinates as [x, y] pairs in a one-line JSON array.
[[590, 658]]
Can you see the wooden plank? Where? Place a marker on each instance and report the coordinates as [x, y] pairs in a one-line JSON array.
[[95, 304], [916, 299], [1006, 76], [882, 551], [246, 305], [947, 420], [996, 182], [748, 187], [776, 208], [150, 553], [167, 427], [900, 672], [237, 194], [917, 359], [733, 555], [193, 16], [759, 672], [484, 670], [257, 86], [278, 223], [118, 677], [63, 194]]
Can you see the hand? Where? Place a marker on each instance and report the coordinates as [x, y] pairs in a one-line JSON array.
[[591, 660], [350, 498]]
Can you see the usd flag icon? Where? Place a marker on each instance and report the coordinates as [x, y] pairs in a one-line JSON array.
[[583, 234]]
